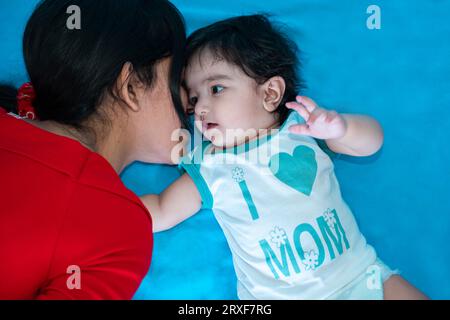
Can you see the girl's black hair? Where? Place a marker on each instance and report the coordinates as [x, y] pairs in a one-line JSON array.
[[257, 47], [71, 70]]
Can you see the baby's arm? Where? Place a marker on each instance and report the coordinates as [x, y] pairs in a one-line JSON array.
[[355, 135], [364, 136], [178, 202]]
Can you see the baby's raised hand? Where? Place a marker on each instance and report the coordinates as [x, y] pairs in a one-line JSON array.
[[320, 123]]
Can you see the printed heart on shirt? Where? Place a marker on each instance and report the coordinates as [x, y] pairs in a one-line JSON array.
[[298, 171]]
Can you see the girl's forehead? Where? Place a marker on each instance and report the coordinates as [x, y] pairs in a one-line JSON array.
[[202, 68], [205, 61]]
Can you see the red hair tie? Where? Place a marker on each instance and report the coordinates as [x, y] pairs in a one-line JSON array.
[[25, 98]]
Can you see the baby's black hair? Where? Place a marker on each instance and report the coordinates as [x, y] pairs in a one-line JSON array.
[[71, 70], [257, 47]]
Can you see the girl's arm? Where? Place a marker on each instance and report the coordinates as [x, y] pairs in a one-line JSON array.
[[178, 202], [355, 135]]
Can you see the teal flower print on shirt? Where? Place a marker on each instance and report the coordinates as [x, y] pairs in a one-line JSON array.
[[329, 218], [311, 260], [238, 174], [278, 236]]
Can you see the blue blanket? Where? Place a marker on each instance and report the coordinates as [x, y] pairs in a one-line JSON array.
[[400, 74]]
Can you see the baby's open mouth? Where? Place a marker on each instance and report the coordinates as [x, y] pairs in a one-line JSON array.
[[210, 125]]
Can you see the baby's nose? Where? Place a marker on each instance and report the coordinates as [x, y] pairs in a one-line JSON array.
[[201, 109]]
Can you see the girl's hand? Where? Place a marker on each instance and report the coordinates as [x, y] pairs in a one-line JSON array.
[[320, 123]]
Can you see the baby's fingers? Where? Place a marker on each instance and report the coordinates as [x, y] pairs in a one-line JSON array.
[[300, 129], [309, 104], [300, 109], [316, 118]]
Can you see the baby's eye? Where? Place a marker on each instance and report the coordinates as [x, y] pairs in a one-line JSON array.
[[216, 89], [193, 101]]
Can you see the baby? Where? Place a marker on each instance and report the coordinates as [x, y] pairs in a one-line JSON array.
[[271, 187]]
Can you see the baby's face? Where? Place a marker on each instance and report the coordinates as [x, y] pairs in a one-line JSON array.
[[228, 104]]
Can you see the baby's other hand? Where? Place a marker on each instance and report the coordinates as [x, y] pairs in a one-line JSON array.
[[320, 123]]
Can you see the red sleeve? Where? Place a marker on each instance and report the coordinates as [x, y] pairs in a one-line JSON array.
[[109, 239]]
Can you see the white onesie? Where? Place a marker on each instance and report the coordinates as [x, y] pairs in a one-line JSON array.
[[278, 202]]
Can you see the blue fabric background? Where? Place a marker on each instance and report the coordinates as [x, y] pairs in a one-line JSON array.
[[399, 74]]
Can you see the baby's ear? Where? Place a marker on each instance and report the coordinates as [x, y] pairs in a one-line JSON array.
[[273, 93]]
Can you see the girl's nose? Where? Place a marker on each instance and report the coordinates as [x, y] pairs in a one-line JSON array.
[[201, 108]]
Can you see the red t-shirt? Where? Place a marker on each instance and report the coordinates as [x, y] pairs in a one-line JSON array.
[[63, 207]]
